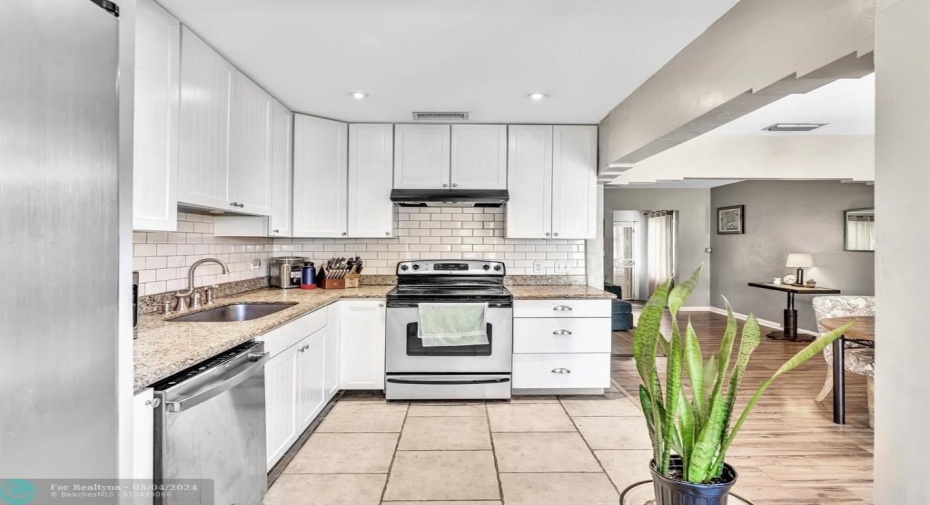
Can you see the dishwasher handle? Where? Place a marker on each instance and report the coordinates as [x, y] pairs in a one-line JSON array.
[[258, 361]]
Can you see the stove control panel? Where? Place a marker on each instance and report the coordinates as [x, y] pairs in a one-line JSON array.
[[451, 267]]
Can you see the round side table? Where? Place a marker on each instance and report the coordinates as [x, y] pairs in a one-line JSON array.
[[643, 493]]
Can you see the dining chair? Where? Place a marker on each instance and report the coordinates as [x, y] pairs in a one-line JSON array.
[[857, 359]]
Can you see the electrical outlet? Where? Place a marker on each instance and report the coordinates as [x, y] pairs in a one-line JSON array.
[[561, 267], [538, 268]]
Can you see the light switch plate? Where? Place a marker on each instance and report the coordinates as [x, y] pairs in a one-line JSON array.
[[538, 268], [561, 267]]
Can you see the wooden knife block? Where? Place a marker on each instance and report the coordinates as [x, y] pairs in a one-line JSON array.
[[332, 283]]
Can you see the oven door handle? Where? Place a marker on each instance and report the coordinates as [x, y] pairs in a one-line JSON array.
[[449, 382]]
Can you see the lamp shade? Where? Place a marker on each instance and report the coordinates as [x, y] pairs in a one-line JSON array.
[[799, 260]]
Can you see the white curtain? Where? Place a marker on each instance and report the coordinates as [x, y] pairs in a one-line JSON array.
[[660, 247], [860, 234]]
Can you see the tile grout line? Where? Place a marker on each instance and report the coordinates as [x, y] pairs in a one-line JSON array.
[[387, 478], [593, 454], [497, 470]]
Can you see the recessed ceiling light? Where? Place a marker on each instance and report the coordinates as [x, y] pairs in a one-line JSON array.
[[793, 127], [536, 97], [358, 95]]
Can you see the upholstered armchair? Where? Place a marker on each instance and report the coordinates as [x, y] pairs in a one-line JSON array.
[[859, 360]]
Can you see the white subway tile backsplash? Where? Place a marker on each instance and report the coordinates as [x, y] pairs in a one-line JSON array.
[[163, 259]]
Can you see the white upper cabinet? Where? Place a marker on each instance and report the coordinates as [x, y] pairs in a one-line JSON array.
[[479, 157], [574, 182], [421, 156], [320, 177], [371, 173], [207, 82], [552, 180], [155, 123], [529, 211], [250, 148], [282, 122]]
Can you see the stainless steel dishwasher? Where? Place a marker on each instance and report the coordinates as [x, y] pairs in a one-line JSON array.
[[210, 424]]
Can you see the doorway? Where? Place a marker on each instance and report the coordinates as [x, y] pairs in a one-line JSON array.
[[641, 249]]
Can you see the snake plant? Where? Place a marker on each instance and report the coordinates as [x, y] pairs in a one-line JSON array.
[[698, 428]]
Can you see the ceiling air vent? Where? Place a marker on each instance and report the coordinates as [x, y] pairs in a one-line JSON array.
[[793, 127], [440, 116]]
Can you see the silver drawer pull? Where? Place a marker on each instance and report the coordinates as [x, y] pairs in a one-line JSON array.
[[561, 332], [561, 370], [561, 307]]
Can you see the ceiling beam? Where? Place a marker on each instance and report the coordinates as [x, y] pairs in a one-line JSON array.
[[756, 53]]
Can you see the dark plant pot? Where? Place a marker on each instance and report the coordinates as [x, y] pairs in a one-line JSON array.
[[676, 492]]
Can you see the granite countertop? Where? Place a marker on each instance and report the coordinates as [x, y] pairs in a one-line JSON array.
[[559, 292], [164, 348]]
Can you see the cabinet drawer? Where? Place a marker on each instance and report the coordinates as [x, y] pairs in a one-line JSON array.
[[542, 371], [290, 333], [561, 335], [561, 308]]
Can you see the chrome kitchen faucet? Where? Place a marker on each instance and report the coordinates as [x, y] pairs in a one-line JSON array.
[[190, 291]]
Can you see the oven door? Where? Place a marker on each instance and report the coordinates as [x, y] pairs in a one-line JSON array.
[[405, 352]]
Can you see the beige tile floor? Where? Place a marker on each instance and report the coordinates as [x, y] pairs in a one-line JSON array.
[[530, 451]]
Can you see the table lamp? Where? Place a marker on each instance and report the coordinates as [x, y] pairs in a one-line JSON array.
[[800, 261]]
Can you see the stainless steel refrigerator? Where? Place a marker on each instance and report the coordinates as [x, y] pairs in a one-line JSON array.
[[60, 286]]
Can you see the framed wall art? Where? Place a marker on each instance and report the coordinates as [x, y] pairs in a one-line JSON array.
[[731, 220]]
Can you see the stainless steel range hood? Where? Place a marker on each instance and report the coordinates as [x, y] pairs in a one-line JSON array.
[[450, 197]]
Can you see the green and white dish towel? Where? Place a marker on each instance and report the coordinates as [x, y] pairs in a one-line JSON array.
[[453, 324]]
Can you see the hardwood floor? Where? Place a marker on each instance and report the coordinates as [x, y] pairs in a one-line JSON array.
[[789, 451]]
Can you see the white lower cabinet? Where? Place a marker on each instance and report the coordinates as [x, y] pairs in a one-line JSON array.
[[298, 378], [337, 347], [311, 368], [280, 404], [143, 439], [362, 344], [561, 345]]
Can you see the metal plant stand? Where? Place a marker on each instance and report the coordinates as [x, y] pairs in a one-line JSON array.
[[642, 493]]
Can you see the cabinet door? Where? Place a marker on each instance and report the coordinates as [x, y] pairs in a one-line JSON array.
[[421, 156], [143, 439], [320, 173], [250, 148], [362, 344], [206, 92], [280, 404], [574, 182], [281, 171], [311, 363], [371, 173], [155, 119], [479, 157], [529, 181]]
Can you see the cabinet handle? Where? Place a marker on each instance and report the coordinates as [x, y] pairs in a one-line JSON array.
[[445, 185], [387, 233], [454, 185], [561, 332], [343, 234], [556, 234], [561, 370], [547, 234], [233, 204], [275, 231], [154, 402], [380, 305], [561, 307]]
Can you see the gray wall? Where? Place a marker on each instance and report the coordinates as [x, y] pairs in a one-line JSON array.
[[693, 206], [787, 217]]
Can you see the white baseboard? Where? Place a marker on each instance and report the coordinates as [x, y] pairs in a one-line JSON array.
[[742, 317], [762, 322]]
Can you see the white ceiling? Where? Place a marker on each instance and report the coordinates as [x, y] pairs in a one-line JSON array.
[[847, 105], [680, 184], [483, 56]]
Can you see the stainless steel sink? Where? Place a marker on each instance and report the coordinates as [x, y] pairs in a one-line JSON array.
[[234, 312]]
